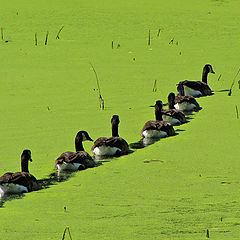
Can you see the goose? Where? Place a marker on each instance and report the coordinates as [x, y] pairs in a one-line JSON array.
[[186, 103], [19, 182], [157, 128], [113, 146], [79, 160], [198, 88], [172, 115]]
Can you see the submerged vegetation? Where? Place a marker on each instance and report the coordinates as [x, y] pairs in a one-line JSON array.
[[181, 187]]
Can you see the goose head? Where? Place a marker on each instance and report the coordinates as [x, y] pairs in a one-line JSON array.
[[80, 137], [83, 136], [115, 122], [25, 157], [207, 69]]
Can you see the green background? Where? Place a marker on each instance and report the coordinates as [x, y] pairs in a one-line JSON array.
[[175, 189]]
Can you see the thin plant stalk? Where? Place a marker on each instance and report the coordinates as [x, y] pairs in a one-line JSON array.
[[171, 42], [233, 82], [35, 39], [207, 234], [101, 100], [237, 112], [57, 37], [2, 33], [149, 38], [67, 229], [154, 86], [46, 39]]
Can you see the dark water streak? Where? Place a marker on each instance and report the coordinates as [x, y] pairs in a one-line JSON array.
[[54, 178]]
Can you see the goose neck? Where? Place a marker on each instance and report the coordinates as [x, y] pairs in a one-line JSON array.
[[204, 75], [78, 145], [24, 165], [171, 103], [158, 114], [115, 130]]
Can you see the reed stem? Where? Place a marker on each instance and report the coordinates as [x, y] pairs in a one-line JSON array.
[[46, 39], [57, 37], [149, 38], [2, 33], [35, 39]]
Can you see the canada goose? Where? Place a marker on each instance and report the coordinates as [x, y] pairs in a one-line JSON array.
[[186, 103], [157, 128], [113, 146], [172, 115], [19, 182], [79, 160], [197, 88]]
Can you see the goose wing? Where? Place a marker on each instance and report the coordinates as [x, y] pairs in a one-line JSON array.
[[117, 142], [174, 113], [21, 178], [198, 85], [180, 99], [81, 157], [159, 126]]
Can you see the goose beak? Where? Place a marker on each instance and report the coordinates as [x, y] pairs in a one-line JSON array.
[[30, 159], [90, 139], [213, 72]]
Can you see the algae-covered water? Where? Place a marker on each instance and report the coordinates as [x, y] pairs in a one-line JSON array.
[[177, 188]]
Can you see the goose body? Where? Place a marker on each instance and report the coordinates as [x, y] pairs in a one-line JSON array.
[[173, 115], [19, 182], [186, 103], [171, 119], [191, 91], [113, 146], [106, 151], [74, 161], [185, 106], [157, 128], [72, 167], [79, 160], [153, 133], [12, 188], [197, 88], [110, 146]]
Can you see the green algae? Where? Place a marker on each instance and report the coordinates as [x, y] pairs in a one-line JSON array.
[[176, 188]]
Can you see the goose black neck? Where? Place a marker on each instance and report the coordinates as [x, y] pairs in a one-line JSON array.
[[180, 89], [171, 105], [78, 144], [171, 101], [115, 130], [158, 113], [205, 75], [24, 164]]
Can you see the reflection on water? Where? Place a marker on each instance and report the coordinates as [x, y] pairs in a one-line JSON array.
[[52, 179], [144, 142], [44, 183], [179, 130], [9, 198]]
